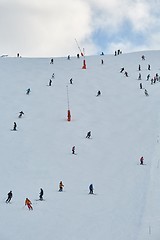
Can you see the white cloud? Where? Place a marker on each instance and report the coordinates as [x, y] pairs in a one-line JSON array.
[[140, 16], [49, 28], [43, 29], [112, 14]]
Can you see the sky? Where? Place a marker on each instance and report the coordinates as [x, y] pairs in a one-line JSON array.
[[39, 28]]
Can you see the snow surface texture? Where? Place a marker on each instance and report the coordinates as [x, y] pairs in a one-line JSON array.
[[125, 125]]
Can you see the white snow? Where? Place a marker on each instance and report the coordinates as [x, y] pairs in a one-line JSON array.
[[125, 125]]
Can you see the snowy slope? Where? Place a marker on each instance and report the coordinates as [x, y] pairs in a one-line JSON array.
[[125, 125]]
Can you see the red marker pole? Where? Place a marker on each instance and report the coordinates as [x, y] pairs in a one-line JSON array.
[[69, 116], [68, 112], [84, 64]]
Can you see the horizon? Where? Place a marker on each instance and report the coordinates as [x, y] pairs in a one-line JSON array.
[[75, 55]]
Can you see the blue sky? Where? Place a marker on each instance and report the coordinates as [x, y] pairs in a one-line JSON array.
[[49, 28], [102, 39]]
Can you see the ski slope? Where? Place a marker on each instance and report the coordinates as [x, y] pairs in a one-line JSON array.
[[125, 125]]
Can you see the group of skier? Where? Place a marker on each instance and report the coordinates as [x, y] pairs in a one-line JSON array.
[[28, 202], [21, 113], [125, 72], [153, 80]]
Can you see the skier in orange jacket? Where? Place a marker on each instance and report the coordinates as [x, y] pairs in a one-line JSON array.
[[28, 203]]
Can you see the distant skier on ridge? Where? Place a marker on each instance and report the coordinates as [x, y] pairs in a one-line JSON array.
[[51, 61]]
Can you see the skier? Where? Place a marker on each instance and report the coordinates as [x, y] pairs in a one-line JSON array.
[[77, 55], [53, 75], [41, 194], [139, 76], [61, 186], [28, 91], [20, 114], [139, 67], [28, 203], [50, 82], [10, 195], [102, 62], [68, 57], [91, 189], [141, 160], [98, 93], [126, 74], [122, 69], [148, 76], [73, 150], [88, 134], [149, 67], [51, 62], [157, 77], [140, 85], [151, 80], [146, 93], [71, 81], [14, 126], [143, 57]]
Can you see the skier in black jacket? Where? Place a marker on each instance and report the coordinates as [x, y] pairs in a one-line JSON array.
[[14, 126], [20, 114], [91, 189], [88, 134], [41, 194], [10, 195]]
